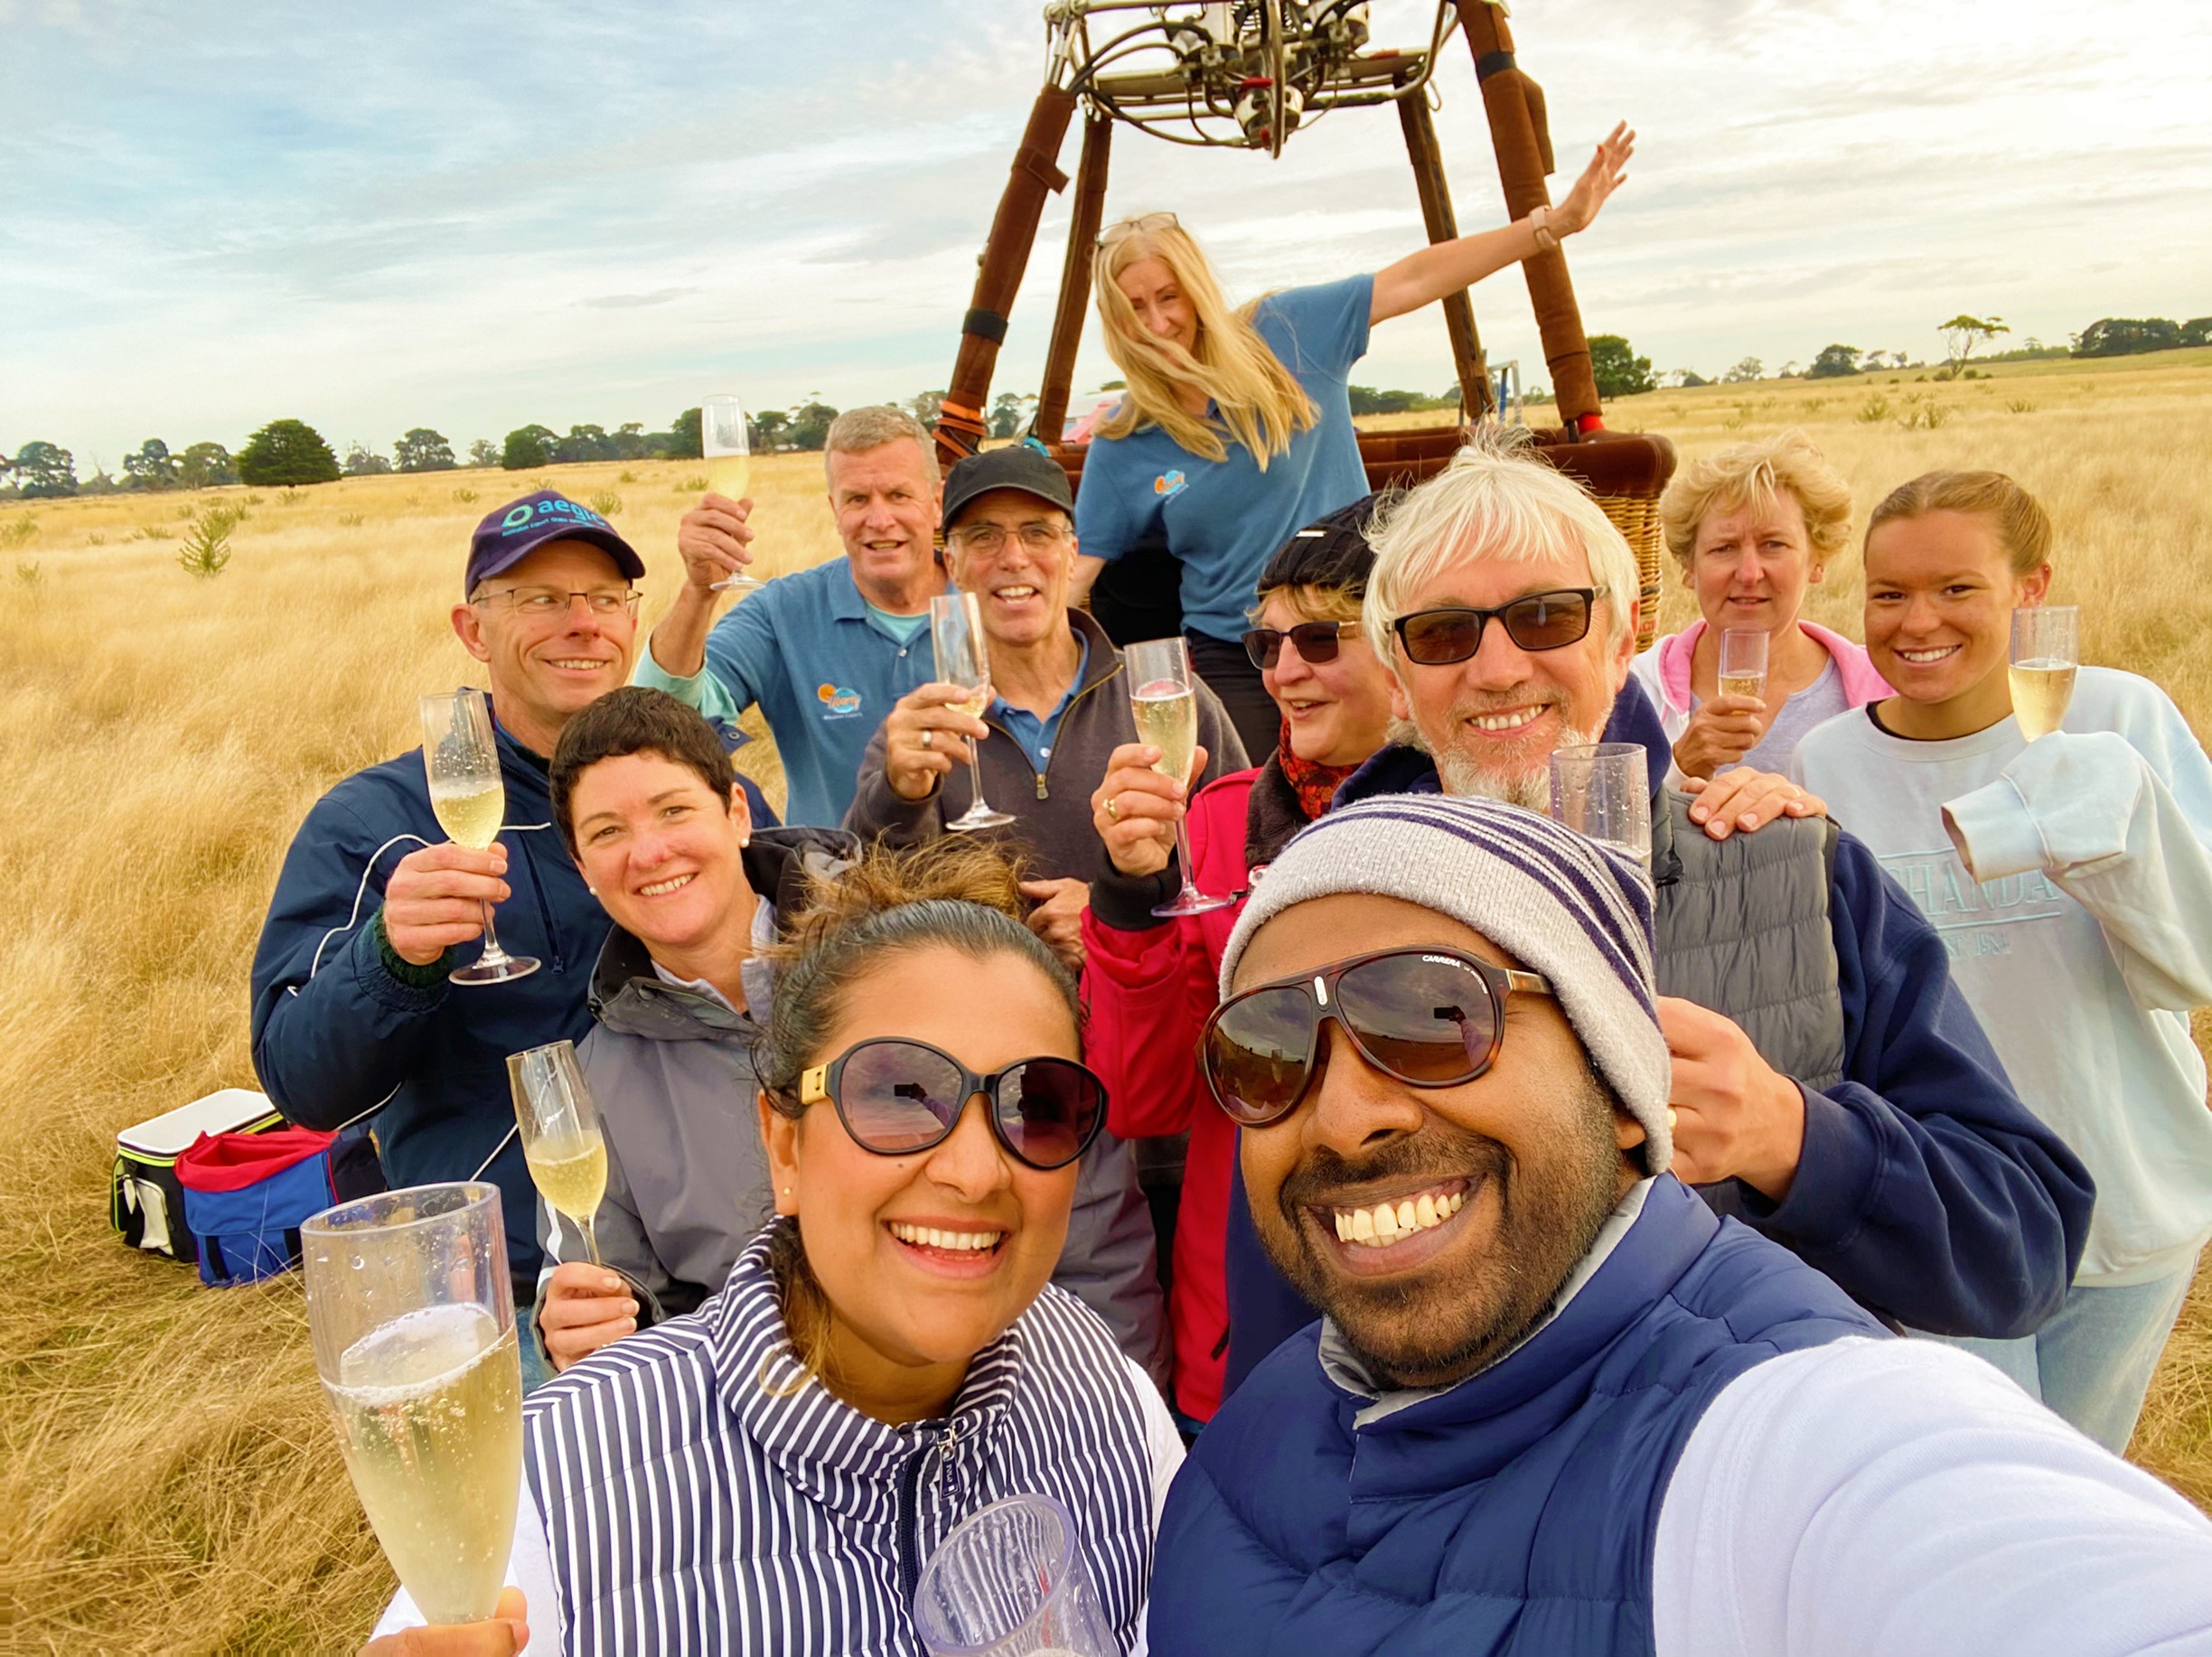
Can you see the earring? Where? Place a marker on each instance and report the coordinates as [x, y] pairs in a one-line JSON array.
[[593, 890]]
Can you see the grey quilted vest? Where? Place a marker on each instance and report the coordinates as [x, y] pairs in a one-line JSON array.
[[1742, 928]]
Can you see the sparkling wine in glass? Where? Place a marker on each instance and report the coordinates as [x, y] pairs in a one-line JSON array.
[[561, 1138], [461, 754], [411, 1313], [1164, 700], [1603, 791], [725, 440], [1743, 662], [963, 659], [2046, 649]]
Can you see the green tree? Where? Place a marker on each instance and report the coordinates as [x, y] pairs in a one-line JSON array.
[[584, 442], [629, 441], [684, 440], [44, 471], [423, 450], [1744, 373], [152, 467], [483, 452], [1834, 362], [771, 432], [1962, 332], [362, 461], [528, 446], [810, 426], [1009, 412], [206, 464], [286, 452], [2197, 331], [924, 405], [1618, 371], [2123, 336]]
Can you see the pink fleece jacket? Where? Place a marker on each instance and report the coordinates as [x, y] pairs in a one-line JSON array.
[[1665, 671]]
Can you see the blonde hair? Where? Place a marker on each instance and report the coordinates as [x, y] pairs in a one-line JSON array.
[[1258, 400], [872, 425], [1494, 500], [1755, 474], [2023, 527]]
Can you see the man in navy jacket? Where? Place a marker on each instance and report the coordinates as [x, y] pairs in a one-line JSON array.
[[352, 1007]]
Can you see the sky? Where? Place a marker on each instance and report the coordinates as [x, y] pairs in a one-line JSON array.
[[475, 216]]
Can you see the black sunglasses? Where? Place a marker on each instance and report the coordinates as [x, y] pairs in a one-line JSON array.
[[897, 1096], [1430, 1018], [1316, 641], [1535, 621]]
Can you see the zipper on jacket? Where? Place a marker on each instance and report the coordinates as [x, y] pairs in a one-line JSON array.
[[910, 1514], [1043, 791]]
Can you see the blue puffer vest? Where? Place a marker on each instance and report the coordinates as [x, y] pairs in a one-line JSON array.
[[1514, 1513]]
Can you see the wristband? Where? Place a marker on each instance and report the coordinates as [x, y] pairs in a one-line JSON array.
[[402, 968]]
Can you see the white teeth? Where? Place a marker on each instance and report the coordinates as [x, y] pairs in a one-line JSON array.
[[1928, 655], [656, 888], [1505, 722], [1017, 591], [931, 1236], [1386, 1222]]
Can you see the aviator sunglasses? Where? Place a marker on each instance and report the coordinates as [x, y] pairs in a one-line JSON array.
[[1316, 643], [896, 1096], [1536, 622], [1430, 1018]]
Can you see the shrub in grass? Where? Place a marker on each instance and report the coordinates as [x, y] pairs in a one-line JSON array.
[[349, 520], [2018, 405], [18, 531], [466, 497], [689, 486], [606, 503], [1874, 410], [292, 497], [28, 574], [207, 544]]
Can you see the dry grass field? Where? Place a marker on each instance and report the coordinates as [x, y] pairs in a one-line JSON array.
[[168, 1482]]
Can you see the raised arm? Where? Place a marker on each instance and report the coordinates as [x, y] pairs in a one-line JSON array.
[[715, 541], [1443, 268]]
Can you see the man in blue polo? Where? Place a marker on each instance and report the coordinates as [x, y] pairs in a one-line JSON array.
[[824, 652]]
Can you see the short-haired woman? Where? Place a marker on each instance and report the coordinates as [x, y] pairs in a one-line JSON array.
[[2071, 877], [770, 1473], [1236, 427], [1751, 529]]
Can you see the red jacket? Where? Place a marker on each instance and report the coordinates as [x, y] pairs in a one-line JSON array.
[[1150, 992]]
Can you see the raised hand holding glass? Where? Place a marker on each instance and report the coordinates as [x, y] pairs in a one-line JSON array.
[[461, 756]]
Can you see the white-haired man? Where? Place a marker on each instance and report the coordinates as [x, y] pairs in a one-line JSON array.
[[826, 652], [1831, 1086]]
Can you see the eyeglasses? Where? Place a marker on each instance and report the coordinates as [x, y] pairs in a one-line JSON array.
[[540, 602], [1316, 641], [987, 540], [1430, 1018], [1538, 622], [1144, 224], [897, 1096]]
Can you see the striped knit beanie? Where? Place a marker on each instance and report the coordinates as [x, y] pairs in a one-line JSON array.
[[1560, 905]]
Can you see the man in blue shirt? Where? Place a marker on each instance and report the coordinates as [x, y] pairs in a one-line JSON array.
[[825, 652]]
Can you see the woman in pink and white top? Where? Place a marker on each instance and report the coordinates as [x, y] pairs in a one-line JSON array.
[[1752, 528]]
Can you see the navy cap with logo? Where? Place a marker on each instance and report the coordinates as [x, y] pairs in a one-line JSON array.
[[519, 528], [1018, 467]]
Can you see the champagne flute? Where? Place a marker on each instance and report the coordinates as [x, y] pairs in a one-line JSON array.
[[411, 1313], [1603, 791], [561, 1140], [725, 440], [963, 659], [1743, 662], [2046, 649], [1163, 698], [462, 756]]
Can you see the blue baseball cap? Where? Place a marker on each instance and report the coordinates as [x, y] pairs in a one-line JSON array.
[[513, 531]]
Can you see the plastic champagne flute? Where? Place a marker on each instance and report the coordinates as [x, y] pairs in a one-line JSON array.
[[461, 754], [1011, 1582], [411, 1313], [1603, 791], [561, 1138], [725, 440], [963, 659], [2046, 650], [1163, 699]]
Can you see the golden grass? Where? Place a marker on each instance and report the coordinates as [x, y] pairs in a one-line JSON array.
[[167, 1478]]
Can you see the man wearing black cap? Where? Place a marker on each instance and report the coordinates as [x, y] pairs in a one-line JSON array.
[[352, 1008]]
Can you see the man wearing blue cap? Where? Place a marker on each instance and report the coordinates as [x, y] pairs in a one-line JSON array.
[[352, 1007]]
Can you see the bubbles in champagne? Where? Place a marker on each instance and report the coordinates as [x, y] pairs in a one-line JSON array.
[[2041, 690], [1166, 716], [1743, 685], [468, 811], [571, 1177], [730, 475]]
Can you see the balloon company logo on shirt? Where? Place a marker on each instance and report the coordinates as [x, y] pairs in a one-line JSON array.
[[1170, 484], [1973, 920], [837, 703]]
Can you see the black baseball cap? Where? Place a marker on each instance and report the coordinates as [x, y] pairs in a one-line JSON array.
[[511, 533], [1017, 467], [1329, 552]]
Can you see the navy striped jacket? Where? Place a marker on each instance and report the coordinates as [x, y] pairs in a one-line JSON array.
[[702, 1492]]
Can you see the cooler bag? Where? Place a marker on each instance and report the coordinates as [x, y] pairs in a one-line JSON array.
[[246, 1196], [145, 1203]]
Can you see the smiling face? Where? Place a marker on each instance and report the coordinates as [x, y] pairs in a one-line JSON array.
[[1494, 720], [906, 1314], [1163, 310], [1505, 1179], [546, 669], [1339, 711], [1750, 566], [887, 506], [1940, 593], [1023, 590], [661, 850]]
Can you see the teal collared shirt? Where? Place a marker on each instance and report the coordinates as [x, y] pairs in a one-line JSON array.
[[1035, 735]]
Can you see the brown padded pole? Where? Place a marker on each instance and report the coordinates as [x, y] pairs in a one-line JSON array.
[[1075, 276], [1428, 160], [1511, 100], [1005, 255]]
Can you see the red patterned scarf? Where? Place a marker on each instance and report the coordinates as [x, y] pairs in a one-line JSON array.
[[1314, 782]]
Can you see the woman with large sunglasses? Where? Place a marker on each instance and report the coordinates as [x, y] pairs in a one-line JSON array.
[[1237, 425], [770, 1473], [1150, 982]]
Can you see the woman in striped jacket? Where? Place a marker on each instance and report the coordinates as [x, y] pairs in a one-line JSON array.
[[769, 1474]]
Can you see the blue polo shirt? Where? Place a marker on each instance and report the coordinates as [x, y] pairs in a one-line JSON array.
[[824, 671], [1035, 737], [1225, 519]]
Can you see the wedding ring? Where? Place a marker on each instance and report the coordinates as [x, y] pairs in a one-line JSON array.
[[925, 740], [1113, 810]]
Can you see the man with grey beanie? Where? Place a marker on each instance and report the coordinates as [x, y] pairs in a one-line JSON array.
[[1555, 1404]]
